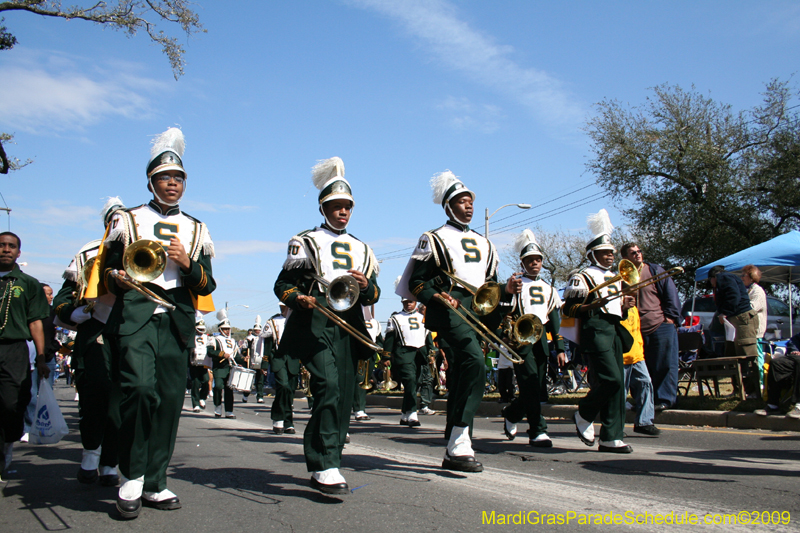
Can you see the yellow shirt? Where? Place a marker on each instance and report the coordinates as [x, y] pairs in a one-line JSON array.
[[632, 324]]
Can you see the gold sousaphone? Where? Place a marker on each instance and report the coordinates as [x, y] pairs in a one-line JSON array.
[[485, 299], [144, 260]]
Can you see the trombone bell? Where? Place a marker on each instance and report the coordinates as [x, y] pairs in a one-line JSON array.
[[528, 329], [486, 298], [144, 260]]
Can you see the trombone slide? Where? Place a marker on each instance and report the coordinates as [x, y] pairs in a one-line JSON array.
[[138, 287], [483, 332]]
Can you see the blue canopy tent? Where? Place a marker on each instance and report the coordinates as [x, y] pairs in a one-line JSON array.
[[778, 259]]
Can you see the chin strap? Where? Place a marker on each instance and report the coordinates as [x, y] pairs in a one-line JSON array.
[[171, 204], [452, 215], [597, 263], [328, 222]]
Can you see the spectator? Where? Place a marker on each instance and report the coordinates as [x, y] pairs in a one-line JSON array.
[[660, 310], [733, 305], [637, 380], [751, 275], [784, 373], [51, 346], [24, 306]]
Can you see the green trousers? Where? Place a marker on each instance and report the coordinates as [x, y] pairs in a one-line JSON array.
[[152, 374], [221, 390], [333, 370], [199, 376], [425, 383], [359, 394], [98, 397], [530, 379], [466, 378], [607, 396], [404, 370], [285, 369]]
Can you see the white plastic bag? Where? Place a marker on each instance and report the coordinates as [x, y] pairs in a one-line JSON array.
[[49, 426]]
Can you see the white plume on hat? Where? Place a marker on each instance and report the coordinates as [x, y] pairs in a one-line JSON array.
[[397, 282], [112, 204], [326, 170], [257, 325], [440, 183], [170, 141], [524, 239], [600, 223]]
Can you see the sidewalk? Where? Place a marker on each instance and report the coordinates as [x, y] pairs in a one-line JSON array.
[[672, 417]]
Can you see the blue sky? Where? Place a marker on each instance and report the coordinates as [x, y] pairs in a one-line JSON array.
[[496, 91]]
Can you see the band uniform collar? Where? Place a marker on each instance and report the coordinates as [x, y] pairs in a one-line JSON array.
[[171, 210], [458, 225], [336, 231]]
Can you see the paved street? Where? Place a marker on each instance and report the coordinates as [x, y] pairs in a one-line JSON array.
[[235, 475]]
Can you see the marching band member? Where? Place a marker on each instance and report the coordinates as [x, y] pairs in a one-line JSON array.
[[256, 360], [285, 369], [603, 339], [228, 353], [409, 343], [360, 395], [91, 361], [457, 249], [535, 297], [199, 364], [150, 341], [328, 352], [427, 375]]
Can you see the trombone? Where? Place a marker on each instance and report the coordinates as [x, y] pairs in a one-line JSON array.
[[144, 260], [441, 389], [522, 329], [485, 299], [627, 273], [387, 384], [341, 295], [363, 368], [674, 271]]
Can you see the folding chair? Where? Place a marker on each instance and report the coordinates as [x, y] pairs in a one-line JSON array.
[[688, 345]]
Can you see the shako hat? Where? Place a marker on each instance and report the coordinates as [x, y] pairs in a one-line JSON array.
[[328, 177], [525, 244], [601, 228]]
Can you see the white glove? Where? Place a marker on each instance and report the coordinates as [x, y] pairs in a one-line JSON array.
[[79, 315]]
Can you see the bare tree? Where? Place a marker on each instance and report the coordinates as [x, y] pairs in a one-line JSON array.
[[128, 16], [564, 252]]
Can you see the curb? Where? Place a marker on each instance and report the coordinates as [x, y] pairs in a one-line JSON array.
[[670, 417]]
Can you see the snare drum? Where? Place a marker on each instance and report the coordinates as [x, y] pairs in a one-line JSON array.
[[241, 379]]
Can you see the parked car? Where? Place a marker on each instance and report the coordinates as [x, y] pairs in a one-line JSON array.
[[777, 316]]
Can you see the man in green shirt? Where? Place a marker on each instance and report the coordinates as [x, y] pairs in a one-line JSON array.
[[23, 306]]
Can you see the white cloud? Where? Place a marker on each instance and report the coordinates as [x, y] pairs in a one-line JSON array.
[[56, 212], [464, 115], [55, 92], [460, 47], [223, 248], [194, 206]]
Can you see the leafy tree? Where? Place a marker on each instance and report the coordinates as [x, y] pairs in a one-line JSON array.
[[129, 16], [698, 181]]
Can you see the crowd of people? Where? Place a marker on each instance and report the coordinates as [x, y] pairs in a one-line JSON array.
[[137, 300]]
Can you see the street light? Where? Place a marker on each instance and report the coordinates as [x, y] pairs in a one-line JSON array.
[[488, 216]]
